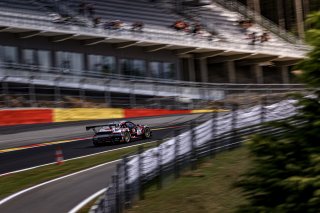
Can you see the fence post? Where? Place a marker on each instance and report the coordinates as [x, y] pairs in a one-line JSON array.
[[176, 154], [234, 126], [262, 109], [193, 147], [127, 190], [118, 190], [213, 133], [159, 165], [141, 190], [115, 182]]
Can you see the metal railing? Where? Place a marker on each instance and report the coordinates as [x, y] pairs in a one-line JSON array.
[[234, 5], [169, 37], [49, 87], [221, 132]]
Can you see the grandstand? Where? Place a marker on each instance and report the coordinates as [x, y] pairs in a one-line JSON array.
[[63, 44]]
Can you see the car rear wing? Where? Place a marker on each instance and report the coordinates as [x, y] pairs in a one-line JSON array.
[[94, 127]]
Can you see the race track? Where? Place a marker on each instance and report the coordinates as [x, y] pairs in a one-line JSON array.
[[62, 195]]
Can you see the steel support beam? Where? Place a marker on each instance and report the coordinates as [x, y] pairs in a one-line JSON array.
[[62, 37], [125, 44], [220, 59], [287, 63], [93, 41], [184, 51], [257, 60], [155, 48], [29, 34], [209, 54]]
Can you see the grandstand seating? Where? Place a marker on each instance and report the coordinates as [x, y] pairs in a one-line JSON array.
[[33, 14], [130, 11]]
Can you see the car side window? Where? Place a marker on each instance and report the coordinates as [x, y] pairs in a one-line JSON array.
[[130, 125]]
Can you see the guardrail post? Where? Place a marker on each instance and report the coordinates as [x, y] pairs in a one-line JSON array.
[[114, 207], [213, 133], [176, 154], [193, 147], [159, 185], [127, 188], [118, 189], [141, 190]]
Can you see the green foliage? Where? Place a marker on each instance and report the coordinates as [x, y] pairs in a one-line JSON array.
[[311, 65], [285, 175]]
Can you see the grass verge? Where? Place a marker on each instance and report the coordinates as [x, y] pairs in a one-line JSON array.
[[207, 189], [15, 182]]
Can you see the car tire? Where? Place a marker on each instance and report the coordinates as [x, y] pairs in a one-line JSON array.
[[126, 137], [95, 143], [147, 133]]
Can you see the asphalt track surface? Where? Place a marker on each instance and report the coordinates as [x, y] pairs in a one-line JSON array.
[[64, 194]]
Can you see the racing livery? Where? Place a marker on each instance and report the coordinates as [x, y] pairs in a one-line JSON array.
[[123, 131]]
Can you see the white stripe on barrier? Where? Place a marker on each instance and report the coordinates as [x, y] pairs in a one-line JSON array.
[[87, 200], [247, 117]]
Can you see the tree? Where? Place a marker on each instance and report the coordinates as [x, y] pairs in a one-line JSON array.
[[285, 173]]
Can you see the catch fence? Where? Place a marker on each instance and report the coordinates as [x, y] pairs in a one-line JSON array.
[[223, 131]]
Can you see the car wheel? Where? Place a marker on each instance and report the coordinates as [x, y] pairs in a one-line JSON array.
[[95, 143], [127, 137], [147, 133]]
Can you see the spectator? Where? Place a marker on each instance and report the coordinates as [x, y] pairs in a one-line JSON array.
[[180, 25], [137, 26], [196, 28], [81, 8], [96, 21], [264, 37], [253, 37], [108, 25], [91, 10]]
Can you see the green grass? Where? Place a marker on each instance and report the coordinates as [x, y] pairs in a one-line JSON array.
[[18, 181], [207, 189]]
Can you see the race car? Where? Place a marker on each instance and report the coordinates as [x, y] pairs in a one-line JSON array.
[[124, 131]]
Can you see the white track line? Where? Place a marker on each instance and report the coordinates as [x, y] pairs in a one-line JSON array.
[[8, 173], [86, 201], [50, 181]]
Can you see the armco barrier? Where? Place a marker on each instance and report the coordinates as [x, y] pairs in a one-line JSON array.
[[25, 116], [33, 116], [222, 132]]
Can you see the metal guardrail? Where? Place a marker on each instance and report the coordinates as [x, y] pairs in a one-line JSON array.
[[221, 132], [35, 83], [234, 5], [10, 19]]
